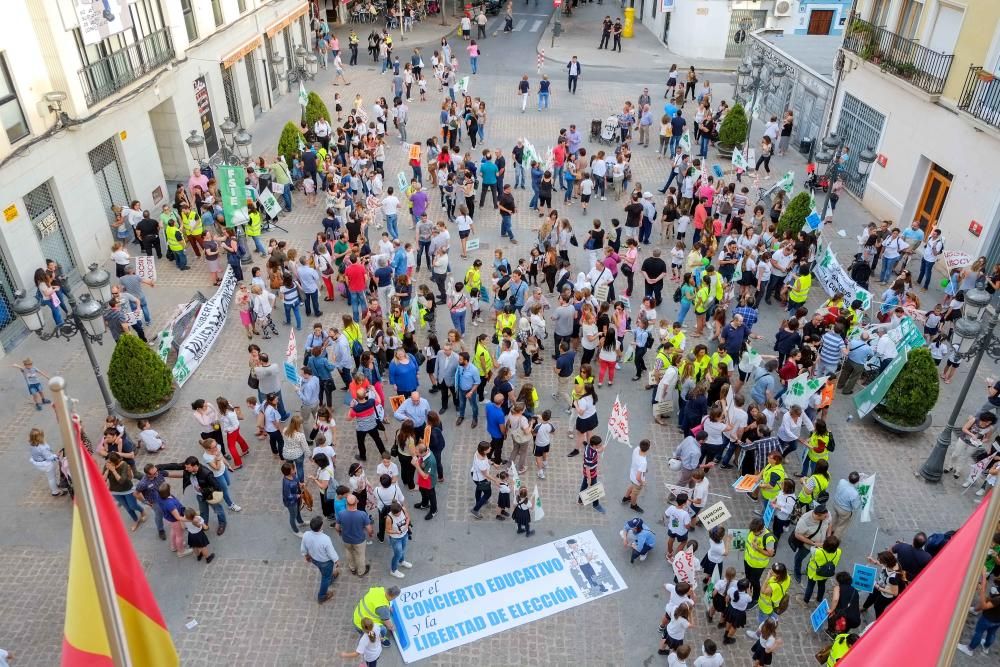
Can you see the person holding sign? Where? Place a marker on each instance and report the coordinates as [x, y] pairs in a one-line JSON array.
[[886, 582], [678, 521]]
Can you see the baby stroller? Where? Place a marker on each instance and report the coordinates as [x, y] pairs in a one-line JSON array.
[[595, 130], [609, 131], [815, 181], [65, 479]]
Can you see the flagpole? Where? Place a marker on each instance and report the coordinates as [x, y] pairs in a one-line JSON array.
[[85, 508]]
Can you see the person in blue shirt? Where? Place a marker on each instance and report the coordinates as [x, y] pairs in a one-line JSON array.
[[543, 92], [403, 373], [321, 367], [467, 382], [641, 539], [496, 426], [536, 185], [488, 176], [398, 259]]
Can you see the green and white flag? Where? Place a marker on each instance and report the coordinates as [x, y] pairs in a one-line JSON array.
[[685, 142], [233, 192], [866, 489], [530, 154], [787, 182], [303, 95], [739, 161], [463, 85], [801, 389], [514, 477], [536, 502]]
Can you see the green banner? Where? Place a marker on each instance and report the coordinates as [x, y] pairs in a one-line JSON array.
[[233, 191], [873, 393]]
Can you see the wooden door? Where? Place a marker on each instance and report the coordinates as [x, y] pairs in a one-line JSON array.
[[932, 199], [820, 21]]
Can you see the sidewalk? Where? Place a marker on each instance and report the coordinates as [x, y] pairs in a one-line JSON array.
[[581, 33]]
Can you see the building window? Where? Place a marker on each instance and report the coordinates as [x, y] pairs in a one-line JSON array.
[[189, 22], [217, 12], [232, 96], [11, 114], [242, 5], [909, 18]]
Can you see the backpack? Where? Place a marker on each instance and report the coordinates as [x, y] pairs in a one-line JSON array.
[[677, 295], [937, 541]]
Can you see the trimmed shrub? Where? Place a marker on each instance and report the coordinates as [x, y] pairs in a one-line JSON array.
[[316, 109], [733, 131], [913, 393], [793, 219], [289, 142], [139, 379]]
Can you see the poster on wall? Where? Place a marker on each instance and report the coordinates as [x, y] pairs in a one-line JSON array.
[[99, 19], [667, 5], [205, 113]]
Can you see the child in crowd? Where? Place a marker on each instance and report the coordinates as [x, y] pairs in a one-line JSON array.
[[544, 430], [673, 634], [257, 409], [148, 438], [678, 521], [503, 497], [197, 539], [522, 513], [736, 610], [720, 593], [677, 254], [31, 378]]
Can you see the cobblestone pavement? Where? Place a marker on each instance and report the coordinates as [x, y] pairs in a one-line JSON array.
[[255, 604]]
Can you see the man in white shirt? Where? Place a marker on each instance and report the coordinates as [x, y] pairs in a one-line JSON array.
[[317, 548], [771, 130], [933, 248], [637, 476], [322, 129], [390, 210], [892, 246], [508, 357], [886, 350], [781, 262], [601, 275]]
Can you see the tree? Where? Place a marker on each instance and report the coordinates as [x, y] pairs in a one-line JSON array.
[[733, 131], [288, 144], [316, 109], [913, 393], [794, 217], [140, 381]]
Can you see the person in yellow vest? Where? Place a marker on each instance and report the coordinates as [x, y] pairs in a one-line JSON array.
[[822, 565], [814, 485], [774, 590], [721, 363], [193, 227], [757, 553], [253, 229], [701, 362], [376, 605], [483, 361], [506, 320], [841, 647], [798, 292], [701, 299], [677, 338], [771, 477], [175, 244], [585, 377], [817, 448]]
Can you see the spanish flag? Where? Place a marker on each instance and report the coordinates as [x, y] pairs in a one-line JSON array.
[[85, 640]]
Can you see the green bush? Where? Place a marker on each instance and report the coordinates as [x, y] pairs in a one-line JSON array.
[[914, 392], [316, 109], [733, 131], [289, 142], [139, 379], [795, 214]]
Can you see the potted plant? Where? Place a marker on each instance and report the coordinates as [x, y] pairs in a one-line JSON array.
[[140, 381], [733, 131], [907, 405], [315, 109], [793, 219], [985, 76], [289, 142]]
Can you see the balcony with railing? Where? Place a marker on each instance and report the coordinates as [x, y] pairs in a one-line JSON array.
[[980, 96], [105, 77], [903, 58]]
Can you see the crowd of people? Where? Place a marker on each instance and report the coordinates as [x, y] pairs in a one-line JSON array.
[[581, 302]]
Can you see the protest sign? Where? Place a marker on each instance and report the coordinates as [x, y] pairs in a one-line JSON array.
[[403, 182], [232, 192], [538, 513], [819, 615], [472, 244], [396, 401], [145, 267], [685, 142], [592, 493], [413, 152], [712, 516], [873, 392], [834, 279], [787, 182], [618, 423], [801, 389], [291, 374], [206, 329], [738, 538], [746, 483], [675, 490], [954, 259], [863, 578], [601, 293], [269, 203], [738, 160], [768, 515], [813, 221], [515, 479], [471, 604]]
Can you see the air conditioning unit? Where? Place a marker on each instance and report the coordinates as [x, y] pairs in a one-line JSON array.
[[783, 8]]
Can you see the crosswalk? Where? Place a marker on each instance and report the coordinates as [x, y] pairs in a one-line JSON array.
[[519, 25]]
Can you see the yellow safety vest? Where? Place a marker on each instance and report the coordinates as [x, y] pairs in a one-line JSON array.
[[175, 240], [661, 356], [353, 333], [753, 552], [821, 557], [720, 291], [800, 289], [765, 474], [192, 224], [818, 442], [505, 321], [483, 361], [820, 484], [473, 280], [373, 599], [579, 383], [839, 649], [723, 359], [768, 603], [398, 325], [253, 227], [678, 340], [700, 366], [701, 299]]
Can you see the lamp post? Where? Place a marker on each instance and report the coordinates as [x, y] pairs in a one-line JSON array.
[[759, 75], [86, 317], [975, 337], [237, 147], [304, 68], [834, 155], [278, 62]]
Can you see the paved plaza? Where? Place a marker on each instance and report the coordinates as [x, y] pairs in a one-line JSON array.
[[255, 604]]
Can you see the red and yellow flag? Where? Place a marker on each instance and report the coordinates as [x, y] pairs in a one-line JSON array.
[[85, 640]]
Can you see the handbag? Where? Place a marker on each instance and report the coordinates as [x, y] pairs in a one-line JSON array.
[[215, 498], [306, 499], [252, 381], [823, 654]]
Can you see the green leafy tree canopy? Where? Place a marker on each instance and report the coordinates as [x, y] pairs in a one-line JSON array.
[[914, 392], [140, 381], [794, 216], [733, 131], [316, 109], [288, 143]]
